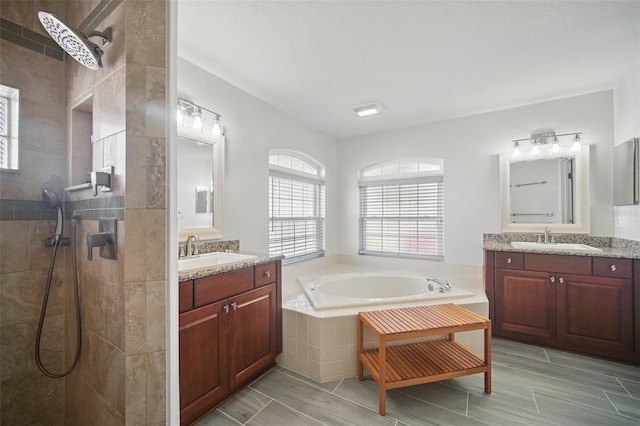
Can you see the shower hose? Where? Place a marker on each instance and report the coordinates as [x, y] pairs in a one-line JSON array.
[[45, 301]]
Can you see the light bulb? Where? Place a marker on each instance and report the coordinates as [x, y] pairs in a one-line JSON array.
[[555, 147], [577, 143], [197, 119], [180, 114], [216, 129], [535, 150], [516, 149]]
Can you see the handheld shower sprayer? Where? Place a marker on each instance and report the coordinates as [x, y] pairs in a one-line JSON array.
[[53, 202]]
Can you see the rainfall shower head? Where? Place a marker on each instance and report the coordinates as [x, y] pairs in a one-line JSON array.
[[53, 202], [75, 42]]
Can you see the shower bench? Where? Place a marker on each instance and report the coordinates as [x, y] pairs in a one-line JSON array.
[[425, 361]]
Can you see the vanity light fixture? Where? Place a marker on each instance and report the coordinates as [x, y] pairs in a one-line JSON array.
[[198, 119], [370, 108], [540, 141]]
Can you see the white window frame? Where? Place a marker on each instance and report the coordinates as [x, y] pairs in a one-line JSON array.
[[402, 209], [296, 206], [9, 129]]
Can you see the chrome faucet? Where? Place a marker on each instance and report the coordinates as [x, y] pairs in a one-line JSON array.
[[547, 238], [190, 248]]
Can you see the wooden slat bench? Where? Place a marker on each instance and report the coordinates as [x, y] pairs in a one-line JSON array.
[[416, 363]]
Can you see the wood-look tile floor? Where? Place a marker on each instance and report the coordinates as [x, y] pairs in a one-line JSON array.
[[531, 386]]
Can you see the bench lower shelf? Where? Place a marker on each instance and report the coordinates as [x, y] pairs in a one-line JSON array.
[[424, 362]]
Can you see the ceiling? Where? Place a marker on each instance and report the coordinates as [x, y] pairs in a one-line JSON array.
[[423, 60]]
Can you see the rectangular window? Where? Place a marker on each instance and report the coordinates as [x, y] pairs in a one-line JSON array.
[[403, 218], [9, 113], [296, 218]]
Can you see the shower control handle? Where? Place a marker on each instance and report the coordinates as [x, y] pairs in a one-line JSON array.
[[106, 239]]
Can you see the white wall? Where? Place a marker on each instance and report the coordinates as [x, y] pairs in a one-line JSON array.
[[252, 128], [627, 126], [470, 147]]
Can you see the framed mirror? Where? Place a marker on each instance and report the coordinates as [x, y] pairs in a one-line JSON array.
[[200, 186], [546, 190]]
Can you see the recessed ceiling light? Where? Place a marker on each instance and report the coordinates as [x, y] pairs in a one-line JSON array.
[[370, 108]]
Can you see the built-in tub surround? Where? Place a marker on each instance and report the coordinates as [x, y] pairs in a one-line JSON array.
[[610, 246], [322, 345]]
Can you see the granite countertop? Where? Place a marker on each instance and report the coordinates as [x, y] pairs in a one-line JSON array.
[[260, 259], [610, 246]]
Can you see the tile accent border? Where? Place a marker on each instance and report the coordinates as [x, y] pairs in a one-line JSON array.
[[24, 37], [91, 209], [25, 210], [98, 14], [96, 208]]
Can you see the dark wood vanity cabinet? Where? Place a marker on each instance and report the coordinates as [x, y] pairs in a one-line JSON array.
[[576, 303], [231, 334]]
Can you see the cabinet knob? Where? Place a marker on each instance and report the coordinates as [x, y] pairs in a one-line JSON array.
[[226, 309], [552, 279], [613, 268], [508, 260], [234, 306], [267, 274], [561, 280]]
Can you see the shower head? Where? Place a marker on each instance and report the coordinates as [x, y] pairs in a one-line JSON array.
[[50, 198], [53, 202], [75, 42]]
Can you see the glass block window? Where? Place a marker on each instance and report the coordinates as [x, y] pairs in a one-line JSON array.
[[9, 114]]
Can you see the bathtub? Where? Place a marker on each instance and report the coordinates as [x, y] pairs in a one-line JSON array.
[[374, 288]]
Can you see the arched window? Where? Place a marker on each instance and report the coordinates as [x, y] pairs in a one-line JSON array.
[[402, 209], [296, 206]]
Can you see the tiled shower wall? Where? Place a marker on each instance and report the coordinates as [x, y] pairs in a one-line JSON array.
[[27, 396], [121, 375]]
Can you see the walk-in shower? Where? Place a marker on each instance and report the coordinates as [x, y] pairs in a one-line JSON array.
[[75, 42], [53, 202]]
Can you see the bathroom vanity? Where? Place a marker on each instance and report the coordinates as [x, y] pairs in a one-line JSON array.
[[571, 300], [230, 330]]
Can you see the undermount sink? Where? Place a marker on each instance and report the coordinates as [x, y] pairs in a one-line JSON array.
[[554, 246], [206, 260]]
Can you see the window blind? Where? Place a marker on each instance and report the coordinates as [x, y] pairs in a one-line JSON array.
[[4, 132], [296, 218], [403, 219]]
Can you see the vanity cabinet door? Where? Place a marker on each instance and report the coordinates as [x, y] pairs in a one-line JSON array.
[[204, 377], [525, 305], [252, 334], [595, 314]]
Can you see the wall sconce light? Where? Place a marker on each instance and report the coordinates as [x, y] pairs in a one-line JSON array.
[[540, 141], [198, 119]]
